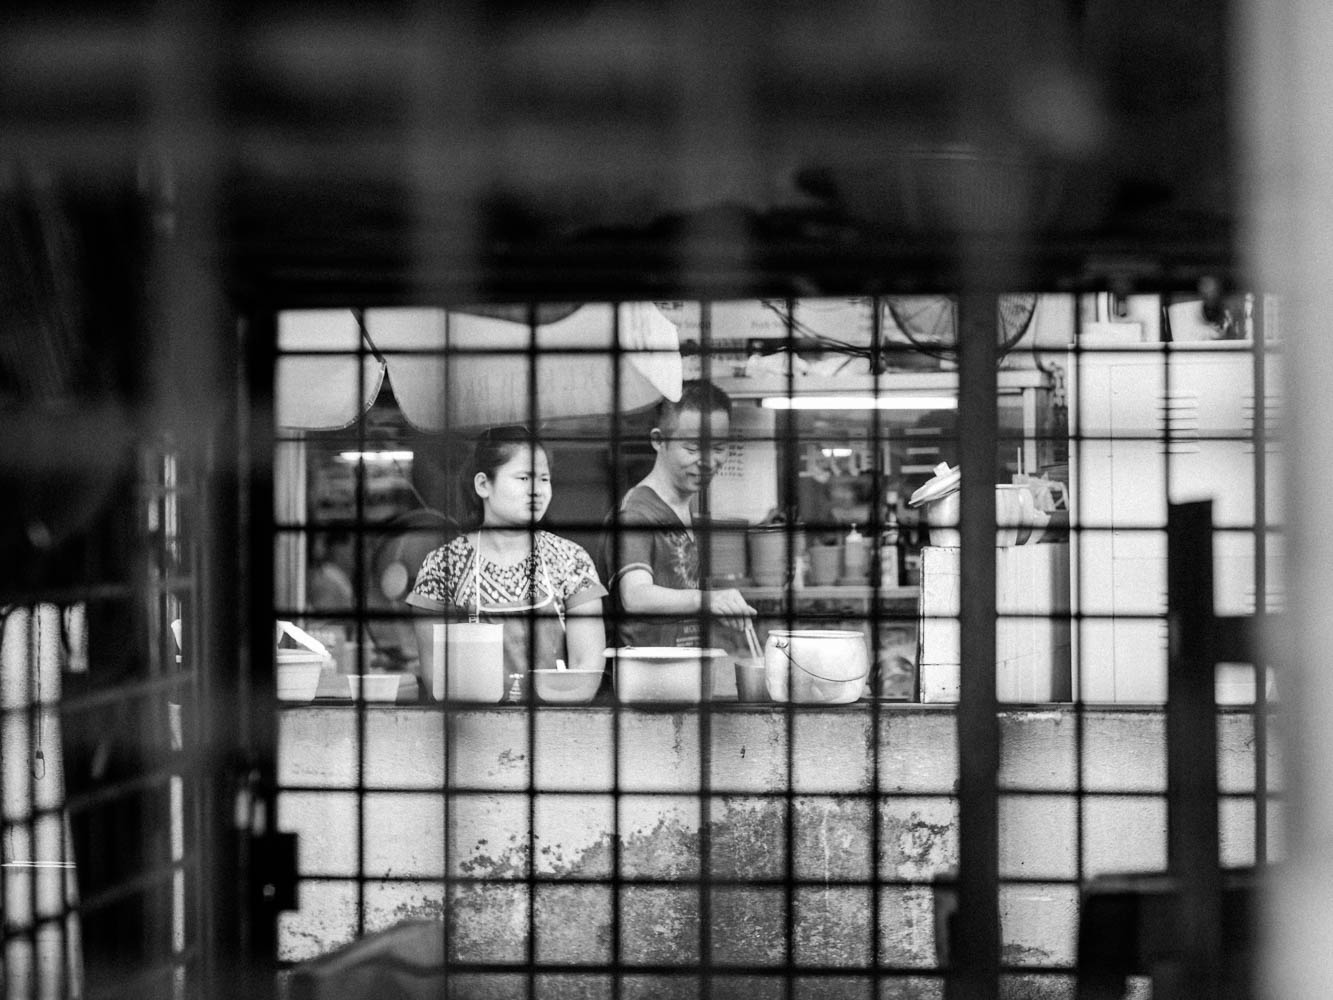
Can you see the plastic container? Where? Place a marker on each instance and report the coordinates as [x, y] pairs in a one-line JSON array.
[[299, 671], [825, 564], [566, 687], [751, 683], [769, 562], [854, 558], [467, 663], [816, 666], [374, 687], [726, 539], [1014, 514], [657, 674]]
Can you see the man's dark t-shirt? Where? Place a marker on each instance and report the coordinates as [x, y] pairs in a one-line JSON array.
[[650, 537]]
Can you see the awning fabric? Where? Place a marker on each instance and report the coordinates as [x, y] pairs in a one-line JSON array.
[[460, 371], [327, 390]]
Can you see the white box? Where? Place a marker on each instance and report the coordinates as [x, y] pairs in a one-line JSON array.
[[1032, 633]]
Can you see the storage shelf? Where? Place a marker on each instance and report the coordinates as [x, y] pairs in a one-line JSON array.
[[831, 593], [768, 384]]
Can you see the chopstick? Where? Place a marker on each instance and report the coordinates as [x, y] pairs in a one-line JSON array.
[[753, 640]]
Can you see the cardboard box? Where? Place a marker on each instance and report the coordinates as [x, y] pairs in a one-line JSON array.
[[1032, 634]]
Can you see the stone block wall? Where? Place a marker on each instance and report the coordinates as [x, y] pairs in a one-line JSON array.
[[752, 841]]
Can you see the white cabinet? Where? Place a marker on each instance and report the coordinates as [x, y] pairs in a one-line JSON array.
[[1149, 427]]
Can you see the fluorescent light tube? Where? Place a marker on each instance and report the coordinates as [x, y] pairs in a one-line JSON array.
[[375, 456], [836, 452], [859, 403]]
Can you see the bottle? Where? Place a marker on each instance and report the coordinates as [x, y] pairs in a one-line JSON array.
[[890, 549], [854, 557]]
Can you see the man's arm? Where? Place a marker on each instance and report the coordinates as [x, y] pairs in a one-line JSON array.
[[640, 596]]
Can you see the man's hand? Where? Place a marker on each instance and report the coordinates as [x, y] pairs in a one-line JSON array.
[[729, 606]]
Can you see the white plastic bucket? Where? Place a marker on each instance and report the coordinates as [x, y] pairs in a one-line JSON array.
[[298, 674], [467, 662]]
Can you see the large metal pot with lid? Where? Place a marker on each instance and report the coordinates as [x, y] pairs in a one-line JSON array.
[[941, 505]]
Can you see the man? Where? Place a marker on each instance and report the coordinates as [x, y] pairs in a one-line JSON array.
[[649, 555]]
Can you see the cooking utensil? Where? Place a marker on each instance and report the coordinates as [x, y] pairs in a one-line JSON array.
[[752, 640], [816, 666], [939, 501]]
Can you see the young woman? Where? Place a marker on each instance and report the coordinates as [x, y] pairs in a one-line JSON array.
[[543, 589]]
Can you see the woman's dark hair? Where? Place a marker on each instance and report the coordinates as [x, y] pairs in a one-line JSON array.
[[494, 447]]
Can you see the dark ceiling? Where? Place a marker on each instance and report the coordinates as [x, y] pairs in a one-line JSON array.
[[578, 149]]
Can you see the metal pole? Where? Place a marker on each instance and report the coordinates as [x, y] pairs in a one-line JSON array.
[[975, 948]]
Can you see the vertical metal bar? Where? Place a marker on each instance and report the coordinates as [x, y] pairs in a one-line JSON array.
[[618, 488], [875, 617], [975, 950], [704, 888], [529, 703], [788, 423], [359, 609], [255, 692], [1191, 746], [616, 358], [1074, 447], [427, 678], [1259, 438]]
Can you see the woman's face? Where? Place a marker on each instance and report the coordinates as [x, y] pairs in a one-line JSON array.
[[520, 490]]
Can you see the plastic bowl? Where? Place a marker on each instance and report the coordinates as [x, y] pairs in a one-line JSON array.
[[374, 687], [658, 674], [566, 687], [298, 674]]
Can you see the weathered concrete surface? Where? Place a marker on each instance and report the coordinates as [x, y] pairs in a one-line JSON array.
[[801, 840]]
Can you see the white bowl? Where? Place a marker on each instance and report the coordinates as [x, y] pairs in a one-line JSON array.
[[374, 687], [657, 674], [566, 687], [298, 674]]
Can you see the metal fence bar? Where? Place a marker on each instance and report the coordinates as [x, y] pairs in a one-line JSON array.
[[975, 944]]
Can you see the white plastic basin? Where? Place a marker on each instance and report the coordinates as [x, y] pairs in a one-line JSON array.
[[658, 674]]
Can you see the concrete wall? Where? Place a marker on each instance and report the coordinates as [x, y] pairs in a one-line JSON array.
[[813, 835]]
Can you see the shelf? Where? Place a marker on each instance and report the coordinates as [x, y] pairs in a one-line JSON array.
[[831, 593], [768, 384]]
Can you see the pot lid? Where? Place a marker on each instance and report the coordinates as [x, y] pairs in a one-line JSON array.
[[946, 481]]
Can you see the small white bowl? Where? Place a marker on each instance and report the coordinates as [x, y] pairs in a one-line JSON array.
[[566, 687], [374, 687]]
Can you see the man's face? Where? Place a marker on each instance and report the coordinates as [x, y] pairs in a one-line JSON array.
[[691, 452]]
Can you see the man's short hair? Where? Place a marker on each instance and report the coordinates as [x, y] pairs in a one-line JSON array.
[[699, 395]]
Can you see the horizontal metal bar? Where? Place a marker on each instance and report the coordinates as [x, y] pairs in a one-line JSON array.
[[110, 792], [123, 694], [152, 878]]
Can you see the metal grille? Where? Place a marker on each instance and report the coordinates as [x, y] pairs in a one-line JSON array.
[[904, 844], [102, 827]]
